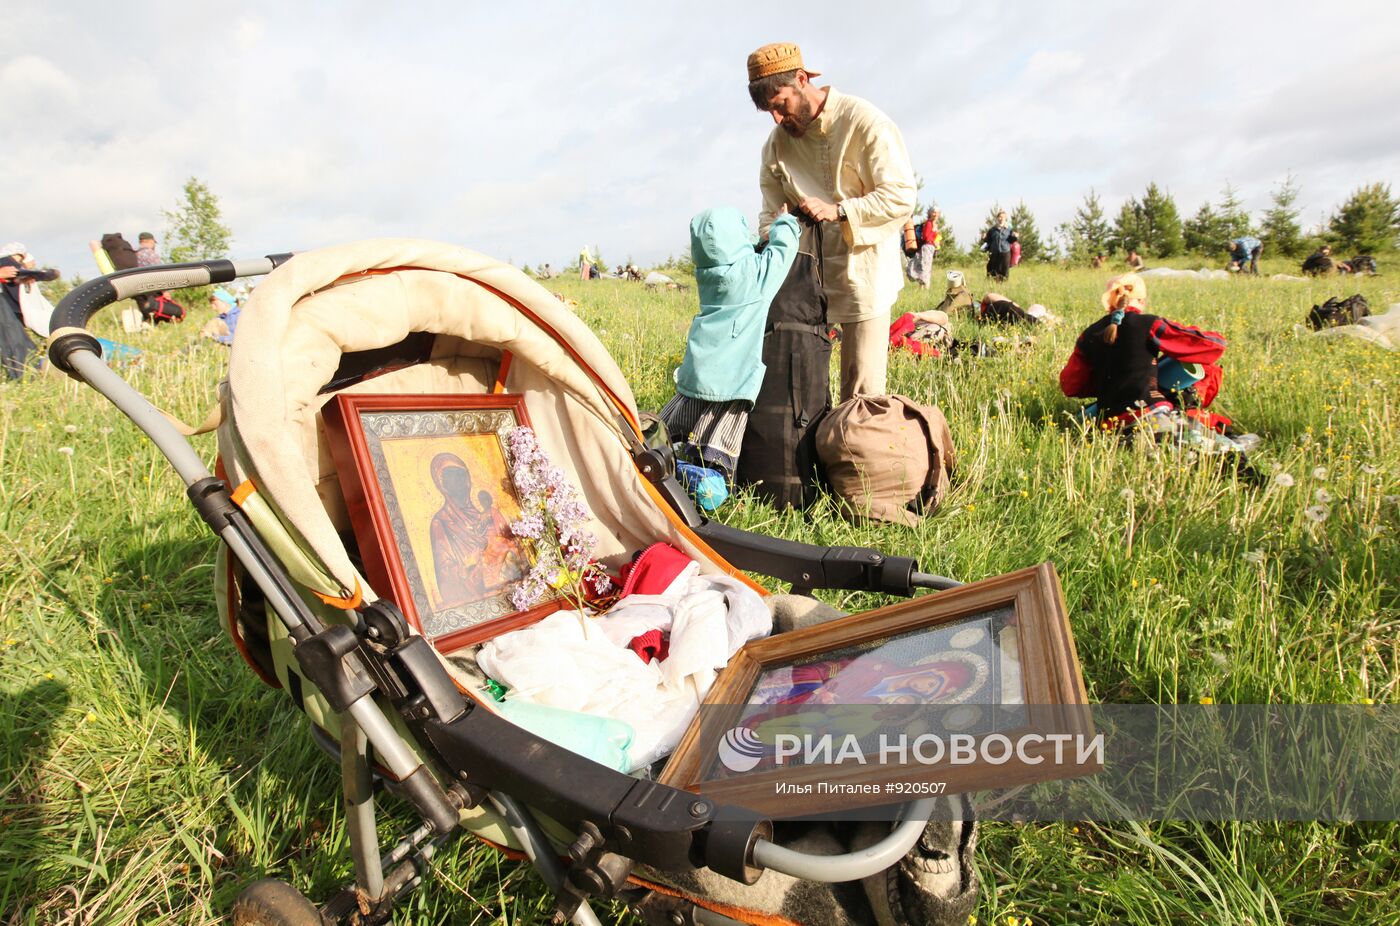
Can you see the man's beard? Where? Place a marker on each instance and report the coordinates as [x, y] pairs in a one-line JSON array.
[[797, 124]]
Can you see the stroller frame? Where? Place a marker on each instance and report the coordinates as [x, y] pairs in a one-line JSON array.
[[376, 666]]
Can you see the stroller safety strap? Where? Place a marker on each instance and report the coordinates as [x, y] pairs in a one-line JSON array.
[[212, 419]]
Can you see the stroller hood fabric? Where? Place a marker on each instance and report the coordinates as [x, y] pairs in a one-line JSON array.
[[374, 294]]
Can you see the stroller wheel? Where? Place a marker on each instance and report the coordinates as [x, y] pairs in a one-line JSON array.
[[274, 903]]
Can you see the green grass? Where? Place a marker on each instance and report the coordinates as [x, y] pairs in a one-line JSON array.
[[145, 775]]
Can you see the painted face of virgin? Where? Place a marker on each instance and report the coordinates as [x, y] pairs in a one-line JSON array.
[[791, 109], [457, 485]]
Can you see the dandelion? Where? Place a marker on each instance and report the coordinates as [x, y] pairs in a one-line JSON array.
[[1369, 470], [89, 716], [70, 428], [1322, 496], [104, 431], [1253, 556], [1207, 699], [1220, 661], [1319, 472], [1126, 495], [66, 451], [1368, 701], [1317, 514], [1284, 480]]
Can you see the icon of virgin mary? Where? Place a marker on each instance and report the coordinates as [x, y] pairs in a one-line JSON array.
[[473, 553]]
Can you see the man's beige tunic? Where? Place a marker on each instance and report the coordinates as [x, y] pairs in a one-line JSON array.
[[851, 154]]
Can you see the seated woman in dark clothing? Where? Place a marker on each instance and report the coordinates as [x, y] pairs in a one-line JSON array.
[[1140, 366]]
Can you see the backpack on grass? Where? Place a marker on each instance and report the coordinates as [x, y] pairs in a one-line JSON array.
[[1337, 311], [165, 309]]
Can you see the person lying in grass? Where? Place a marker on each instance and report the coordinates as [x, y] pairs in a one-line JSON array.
[[1141, 366], [723, 367]]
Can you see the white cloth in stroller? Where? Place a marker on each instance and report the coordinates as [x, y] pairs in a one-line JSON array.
[[583, 664]]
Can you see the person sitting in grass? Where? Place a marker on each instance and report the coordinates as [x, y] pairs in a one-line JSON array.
[[225, 321], [723, 367], [1321, 263], [1144, 368]]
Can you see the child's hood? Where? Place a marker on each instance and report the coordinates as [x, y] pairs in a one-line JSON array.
[[719, 237]]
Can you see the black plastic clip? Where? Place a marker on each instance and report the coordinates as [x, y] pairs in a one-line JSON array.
[[323, 660], [212, 500]]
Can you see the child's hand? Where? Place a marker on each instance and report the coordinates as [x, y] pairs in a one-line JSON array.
[[783, 209]]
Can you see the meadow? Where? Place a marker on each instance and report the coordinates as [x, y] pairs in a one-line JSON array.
[[146, 775]]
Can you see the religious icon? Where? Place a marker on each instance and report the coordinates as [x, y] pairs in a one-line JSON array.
[[431, 498], [993, 658]]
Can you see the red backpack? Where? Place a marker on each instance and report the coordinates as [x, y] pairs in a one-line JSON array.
[[165, 309]]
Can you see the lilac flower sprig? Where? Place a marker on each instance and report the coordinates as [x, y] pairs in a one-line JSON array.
[[552, 518]]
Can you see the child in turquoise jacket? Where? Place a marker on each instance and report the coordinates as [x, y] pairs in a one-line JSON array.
[[723, 367]]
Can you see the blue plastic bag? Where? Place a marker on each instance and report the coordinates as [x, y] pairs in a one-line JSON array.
[[706, 486]]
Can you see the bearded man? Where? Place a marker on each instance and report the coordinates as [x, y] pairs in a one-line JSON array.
[[839, 160]]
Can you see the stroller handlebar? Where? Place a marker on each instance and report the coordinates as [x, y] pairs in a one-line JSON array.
[[76, 309]]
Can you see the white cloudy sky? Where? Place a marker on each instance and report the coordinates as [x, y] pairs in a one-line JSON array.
[[525, 130]]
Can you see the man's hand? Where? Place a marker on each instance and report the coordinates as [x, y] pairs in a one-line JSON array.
[[8, 273], [819, 209]]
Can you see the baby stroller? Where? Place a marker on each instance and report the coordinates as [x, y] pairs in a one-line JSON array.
[[409, 316]]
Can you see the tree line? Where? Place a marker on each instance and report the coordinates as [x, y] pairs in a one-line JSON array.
[[1366, 223]]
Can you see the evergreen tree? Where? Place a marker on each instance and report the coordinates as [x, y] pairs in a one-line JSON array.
[[1127, 232], [1088, 233], [1367, 222], [1151, 225], [1234, 220], [1032, 248], [1280, 230], [1204, 233]]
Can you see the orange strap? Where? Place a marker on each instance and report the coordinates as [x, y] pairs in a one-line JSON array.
[[502, 372], [345, 604], [240, 494]]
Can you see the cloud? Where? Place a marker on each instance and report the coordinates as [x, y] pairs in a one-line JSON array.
[[525, 131]]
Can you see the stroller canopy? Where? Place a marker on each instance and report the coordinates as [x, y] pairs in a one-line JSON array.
[[485, 322]]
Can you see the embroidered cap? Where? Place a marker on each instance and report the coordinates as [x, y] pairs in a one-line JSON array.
[[775, 59]]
